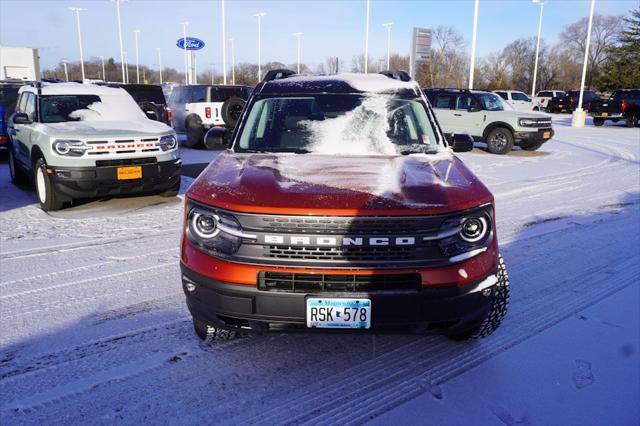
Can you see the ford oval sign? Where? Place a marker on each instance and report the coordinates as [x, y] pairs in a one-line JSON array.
[[192, 43]]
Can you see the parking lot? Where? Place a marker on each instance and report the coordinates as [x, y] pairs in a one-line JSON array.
[[95, 328]]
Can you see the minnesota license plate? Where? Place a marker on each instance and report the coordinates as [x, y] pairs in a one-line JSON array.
[[604, 114], [546, 134], [133, 172], [338, 313]]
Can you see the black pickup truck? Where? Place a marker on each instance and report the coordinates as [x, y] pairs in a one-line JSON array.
[[622, 105], [569, 101]]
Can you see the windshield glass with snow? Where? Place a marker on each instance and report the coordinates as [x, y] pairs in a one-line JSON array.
[[339, 124], [492, 102], [59, 108]]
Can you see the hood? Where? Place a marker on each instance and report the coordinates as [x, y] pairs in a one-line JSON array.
[[107, 129], [339, 185], [526, 114]]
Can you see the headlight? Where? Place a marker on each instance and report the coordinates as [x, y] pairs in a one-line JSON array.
[[474, 232], [168, 142], [214, 231], [71, 148]]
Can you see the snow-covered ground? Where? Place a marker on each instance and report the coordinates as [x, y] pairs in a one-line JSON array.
[[94, 329]]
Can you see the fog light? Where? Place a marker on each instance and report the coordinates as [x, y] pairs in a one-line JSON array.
[[486, 292], [191, 287]]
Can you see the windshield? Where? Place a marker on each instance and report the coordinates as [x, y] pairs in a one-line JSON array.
[[339, 124], [491, 102], [58, 109]]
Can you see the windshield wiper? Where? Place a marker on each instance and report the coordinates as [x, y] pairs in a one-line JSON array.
[[417, 150]]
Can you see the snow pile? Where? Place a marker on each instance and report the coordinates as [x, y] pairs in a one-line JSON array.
[[113, 107], [376, 83], [362, 131]]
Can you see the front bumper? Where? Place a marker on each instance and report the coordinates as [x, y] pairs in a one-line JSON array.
[[532, 138], [101, 181], [446, 309]]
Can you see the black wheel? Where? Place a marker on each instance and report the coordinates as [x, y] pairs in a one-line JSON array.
[[550, 109], [499, 299], [500, 141], [231, 110], [173, 191], [195, 132], [209, 333], [598, 121], [18, 176], [151, 110], [47, 196], [533, 147], [630, 121]]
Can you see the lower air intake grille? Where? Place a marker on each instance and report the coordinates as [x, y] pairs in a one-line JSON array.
[[309, 283]]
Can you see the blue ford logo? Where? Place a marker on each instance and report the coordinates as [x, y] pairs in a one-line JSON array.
[[192, 43]]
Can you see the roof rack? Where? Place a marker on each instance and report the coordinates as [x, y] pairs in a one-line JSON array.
[[396, 74], [278, 74]]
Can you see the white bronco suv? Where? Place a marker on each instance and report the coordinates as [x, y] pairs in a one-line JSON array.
[[79, 141], [486, 117], [543, 97], [517, 100]]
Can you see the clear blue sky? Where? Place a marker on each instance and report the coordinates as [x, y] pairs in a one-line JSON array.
[[331, 28]]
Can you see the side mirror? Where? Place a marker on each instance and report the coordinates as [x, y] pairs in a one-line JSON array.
[[461, 142], [214, 140], [21, 118]]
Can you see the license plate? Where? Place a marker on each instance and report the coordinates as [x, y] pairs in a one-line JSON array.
[[546, 134], [133, 172], [338, 313], [560, 106], [605, 114]]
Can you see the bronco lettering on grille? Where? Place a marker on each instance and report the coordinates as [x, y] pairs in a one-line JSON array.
[[297, 240]]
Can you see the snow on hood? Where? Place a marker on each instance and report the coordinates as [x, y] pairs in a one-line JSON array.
[[112, 107], [115, 127]]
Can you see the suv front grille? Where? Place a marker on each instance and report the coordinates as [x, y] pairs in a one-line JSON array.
[[309, 283], [341, 225], [349, 254]]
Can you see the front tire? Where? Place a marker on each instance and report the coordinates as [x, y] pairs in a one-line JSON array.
[[208, 333], [499, 301], [500, 141], [195, 133], [598, 122], [631, 121], [47, 196]]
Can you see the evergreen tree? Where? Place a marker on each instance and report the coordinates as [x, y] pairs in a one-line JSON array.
[[623, 68]]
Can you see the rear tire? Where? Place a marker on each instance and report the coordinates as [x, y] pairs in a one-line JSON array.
[[47, 196], [231, 111], [18, 176], [500, 141], [499, 300], [550, 110], [631, 121], [598, 122], [208, 333], [195, 132]]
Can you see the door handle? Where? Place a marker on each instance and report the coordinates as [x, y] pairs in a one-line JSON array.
[[458, 115]]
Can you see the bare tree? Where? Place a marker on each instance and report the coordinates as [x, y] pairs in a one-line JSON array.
[[448, 58]]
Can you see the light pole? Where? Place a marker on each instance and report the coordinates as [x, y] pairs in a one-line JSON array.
[[233, 61], [298, 36], [184, 38], [535, 67], [194, 64], [104, 75], [473, 43], [259, 15], [159, 63], [388, 26], [120, 38], [77, 11], [579, 116], [126, 68], [366, 42], [66, 73], [213, 65], [224, 48], [136, 32]]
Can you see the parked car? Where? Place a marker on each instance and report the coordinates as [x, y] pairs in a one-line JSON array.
[[373, 224], [622, 105], [86, 141], [150, 98], [517, 100], [484, 116], [8, 97], [197, 108], [543, 97], [569, 101]]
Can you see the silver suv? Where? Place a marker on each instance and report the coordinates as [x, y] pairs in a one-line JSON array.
[[87, 141], [486, 117]]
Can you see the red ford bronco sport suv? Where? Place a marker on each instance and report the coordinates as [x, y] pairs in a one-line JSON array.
[[340, 204]]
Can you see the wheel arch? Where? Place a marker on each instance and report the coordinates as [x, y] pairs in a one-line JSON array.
[[36, 153], [494, 125]]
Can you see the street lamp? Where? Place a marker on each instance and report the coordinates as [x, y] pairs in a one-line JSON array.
[[388, 26], [298, 35], [136, 32], [159, 63], [233, 61], [77, 11], [259, 15], [104, 75], [535, 67], [66, 73], [579, 116], [126, 68], [184, 38], [224, 48], [473, 43], [117, 2], [366, 42], [213, 65]]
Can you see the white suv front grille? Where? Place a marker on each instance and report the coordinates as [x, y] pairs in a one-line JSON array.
[[117, 147]]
